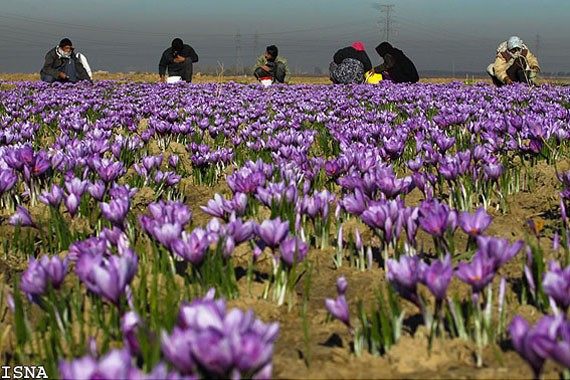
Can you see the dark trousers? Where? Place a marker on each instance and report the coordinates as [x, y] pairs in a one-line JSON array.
[[184, 70], [68, 68], [260, 73], [517, 72]]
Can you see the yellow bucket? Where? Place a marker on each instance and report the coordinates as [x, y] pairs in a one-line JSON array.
[[373, 78]]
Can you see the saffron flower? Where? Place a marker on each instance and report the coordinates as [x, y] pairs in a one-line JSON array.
[[479, 273], [22, 218], [476, 224], [293, 250], [272, 231], [556, 284], [338, 307], [437, 276]]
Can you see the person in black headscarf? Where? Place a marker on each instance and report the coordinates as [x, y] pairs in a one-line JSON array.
[[63, 64], [396, 67], [178, 59]]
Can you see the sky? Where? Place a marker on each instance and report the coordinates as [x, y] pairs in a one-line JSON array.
[[128, 35]]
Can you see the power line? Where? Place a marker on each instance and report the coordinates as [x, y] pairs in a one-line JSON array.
[[239, 63], [387, 10]]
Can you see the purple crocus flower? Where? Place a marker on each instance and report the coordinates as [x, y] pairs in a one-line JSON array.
[[130, 323], [116, 364], [78, 369], [273, 231], [404, 275], [55, 269], [92, 246], [556, 284], [240, 231], [557, 349], [8, 179], [192, 247], [338, 308], [108, 170], [434, 218], [209, 340], [355, 204], [341, 285], [76, 186], [479, 273], [177, 347], [493, 170], [116, 210], [437, 276], [72, 203], [41, 273], [166, 233], [293, 250], [385, 216], [34, 280], [97, 190], [475, 224], [245, 180], [173, 160], [213, 352], [107, 277], [499, 250], [525, 341], [217, 207], [22, 218], [53, 197]]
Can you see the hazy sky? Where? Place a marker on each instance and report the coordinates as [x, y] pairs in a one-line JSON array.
[[129, 35]]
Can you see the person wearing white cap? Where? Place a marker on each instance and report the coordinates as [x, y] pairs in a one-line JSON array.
[[513, 63]]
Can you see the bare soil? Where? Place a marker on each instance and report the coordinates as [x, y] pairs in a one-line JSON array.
[[325, 352]]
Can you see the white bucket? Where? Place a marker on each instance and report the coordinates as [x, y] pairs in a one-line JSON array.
[[173, 79], [266, 81]]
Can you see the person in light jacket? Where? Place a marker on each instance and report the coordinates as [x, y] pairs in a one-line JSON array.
[[513, 63]]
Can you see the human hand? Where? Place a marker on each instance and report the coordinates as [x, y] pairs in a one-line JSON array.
[[179, 59], [508, 80], [266, 68], [62, 75]]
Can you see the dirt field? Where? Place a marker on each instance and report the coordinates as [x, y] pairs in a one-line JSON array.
[[325, 352]]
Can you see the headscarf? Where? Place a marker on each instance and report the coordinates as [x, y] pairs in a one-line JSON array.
[[358, 46], [384, 48], [62, 53]]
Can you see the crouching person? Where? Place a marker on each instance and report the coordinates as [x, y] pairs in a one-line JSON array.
[[63, 64], [513, 63]]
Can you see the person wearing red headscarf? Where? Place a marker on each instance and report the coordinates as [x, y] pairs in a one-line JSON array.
[[349, 64]]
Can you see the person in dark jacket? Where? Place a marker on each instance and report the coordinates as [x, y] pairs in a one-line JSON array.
[[396, 67], [63, 64], [177, 60], [350, 64]]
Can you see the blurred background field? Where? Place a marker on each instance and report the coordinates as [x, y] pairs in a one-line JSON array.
[[246, 79]]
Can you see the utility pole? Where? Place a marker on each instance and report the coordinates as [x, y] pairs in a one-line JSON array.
[[387, 9], [239, 63], [255, 44], [537, 45]]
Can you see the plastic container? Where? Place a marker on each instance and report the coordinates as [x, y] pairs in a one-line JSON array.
[[173, 79]]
